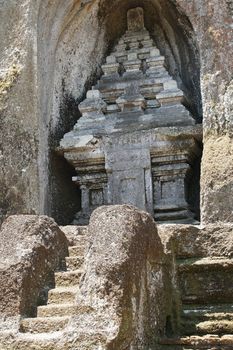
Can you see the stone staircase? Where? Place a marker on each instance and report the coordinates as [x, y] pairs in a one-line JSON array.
[[61, 304], [206, 287]]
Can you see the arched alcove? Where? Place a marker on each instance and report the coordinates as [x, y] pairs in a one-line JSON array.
[[73, 40], [68, 61]]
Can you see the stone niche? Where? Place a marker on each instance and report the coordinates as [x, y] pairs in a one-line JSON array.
[[136, 142]]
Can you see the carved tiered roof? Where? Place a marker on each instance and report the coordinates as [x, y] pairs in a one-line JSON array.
[[135, 90]]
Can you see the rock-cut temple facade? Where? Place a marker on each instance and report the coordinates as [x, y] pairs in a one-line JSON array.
[[135, 142], [101, 105]]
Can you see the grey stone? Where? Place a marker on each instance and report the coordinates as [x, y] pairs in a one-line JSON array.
[[32, 248], [122, 237], [135, 18], [140, 99]]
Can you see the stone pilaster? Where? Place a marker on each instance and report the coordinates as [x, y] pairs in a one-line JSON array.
[[171, 166]]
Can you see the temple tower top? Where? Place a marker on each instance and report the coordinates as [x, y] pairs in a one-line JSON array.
[[135, 19]]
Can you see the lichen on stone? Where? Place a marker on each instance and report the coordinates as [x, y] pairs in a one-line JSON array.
[[7, 80]]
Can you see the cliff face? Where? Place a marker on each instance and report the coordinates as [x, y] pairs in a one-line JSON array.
[[50, 53], [213, 25]]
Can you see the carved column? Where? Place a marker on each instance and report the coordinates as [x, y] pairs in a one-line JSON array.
[[92, 181]]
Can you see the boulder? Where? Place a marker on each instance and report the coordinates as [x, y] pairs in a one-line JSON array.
[[123, 279], [193, 241], [31, 248]]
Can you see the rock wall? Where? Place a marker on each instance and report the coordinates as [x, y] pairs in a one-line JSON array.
[[213, 25], [19, 137]]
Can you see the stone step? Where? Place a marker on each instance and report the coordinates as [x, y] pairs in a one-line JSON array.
[[205, 264], [53, 341], [208, 312], [62, 295], [75, 229], [77, 250], [207, 327], [38, 341], [56, 310], [75, 234], [61, 310], [43, 324], [210, 342], [68, 278], [171, 215], [206, 280], [81, 240], [74, 262], [188, 347]]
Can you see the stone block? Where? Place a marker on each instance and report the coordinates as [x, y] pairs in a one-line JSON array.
[[111, 69], [31, 248], [122, 237], [206, 280], [93, 94], [168, 97], [154, 52], [170, 85], [133, 56], [111, 59], [134, 45], [131, 100], [147, 43], [135, 19], [155, 62]]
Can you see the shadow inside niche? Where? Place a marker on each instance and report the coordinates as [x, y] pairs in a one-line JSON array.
[[64, 195], [193, 188]]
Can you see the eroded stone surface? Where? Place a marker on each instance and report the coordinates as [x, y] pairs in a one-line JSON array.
[[123, 279], [120, 294], [204, 268], [31, 249]]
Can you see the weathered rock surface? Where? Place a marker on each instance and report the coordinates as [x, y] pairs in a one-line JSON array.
[[120, 302], [135, 287], [203, 272], [124, 276], [217, 179], [214, 28], [188, 241], [31, 248]]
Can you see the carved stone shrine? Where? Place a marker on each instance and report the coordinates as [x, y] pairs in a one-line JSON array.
[[136, 142]]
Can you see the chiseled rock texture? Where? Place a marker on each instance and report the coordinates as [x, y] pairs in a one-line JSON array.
[[213, 23], [202, 275], [124, 277], [188, 241], [31, 248], [217, 178]]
